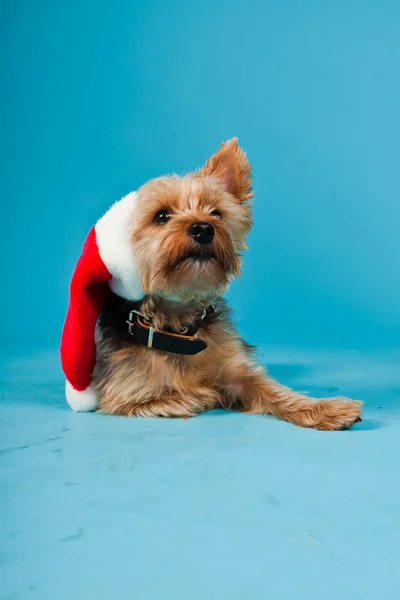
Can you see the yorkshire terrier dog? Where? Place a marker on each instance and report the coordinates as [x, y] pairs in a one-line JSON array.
[[176, 352]]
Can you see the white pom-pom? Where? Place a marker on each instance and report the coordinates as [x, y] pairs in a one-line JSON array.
[[85, 401]]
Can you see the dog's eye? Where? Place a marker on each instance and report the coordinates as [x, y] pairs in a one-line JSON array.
[[162, 217], [216, 213]]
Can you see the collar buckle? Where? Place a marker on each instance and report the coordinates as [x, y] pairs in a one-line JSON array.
[[131, 319], [131, 322]]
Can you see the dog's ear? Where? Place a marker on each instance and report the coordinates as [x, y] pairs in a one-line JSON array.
[[230, 165]]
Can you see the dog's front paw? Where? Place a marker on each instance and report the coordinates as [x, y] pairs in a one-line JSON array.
[[336, 413]]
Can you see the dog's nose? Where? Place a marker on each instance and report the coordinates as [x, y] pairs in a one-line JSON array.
[[202, 232]]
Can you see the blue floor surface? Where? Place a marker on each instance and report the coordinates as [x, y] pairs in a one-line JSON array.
[[223, 506]]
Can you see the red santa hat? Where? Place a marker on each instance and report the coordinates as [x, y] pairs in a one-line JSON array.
[[107, 264]]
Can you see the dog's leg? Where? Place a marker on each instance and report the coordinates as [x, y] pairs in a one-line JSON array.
[[245, 386], [170, 403]]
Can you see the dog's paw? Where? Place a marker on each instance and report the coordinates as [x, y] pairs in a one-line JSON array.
[[336, 413]]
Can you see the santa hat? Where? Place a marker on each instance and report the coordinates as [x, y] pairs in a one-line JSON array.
[[107, 263]]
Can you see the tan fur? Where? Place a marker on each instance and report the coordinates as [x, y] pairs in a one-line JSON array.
[[230, 165], [137, 381]]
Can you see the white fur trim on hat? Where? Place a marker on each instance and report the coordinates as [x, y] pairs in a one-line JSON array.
[[114, 241], [85, 401]]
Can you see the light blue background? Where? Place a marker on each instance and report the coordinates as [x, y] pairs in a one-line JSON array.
[[100, 96]]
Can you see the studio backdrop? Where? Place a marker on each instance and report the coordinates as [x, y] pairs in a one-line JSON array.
[[99, 96]]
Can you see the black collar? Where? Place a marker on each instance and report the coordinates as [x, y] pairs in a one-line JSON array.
[[126, 319]]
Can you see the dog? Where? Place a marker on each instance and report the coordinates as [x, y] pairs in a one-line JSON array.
[[188, 238]]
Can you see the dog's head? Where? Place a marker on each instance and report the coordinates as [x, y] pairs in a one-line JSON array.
[[189, 231]]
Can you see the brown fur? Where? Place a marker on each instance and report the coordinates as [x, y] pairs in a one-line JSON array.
[[134, 380]]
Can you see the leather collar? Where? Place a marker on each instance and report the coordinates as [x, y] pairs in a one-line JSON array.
[[126, 318], [177, 343]]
